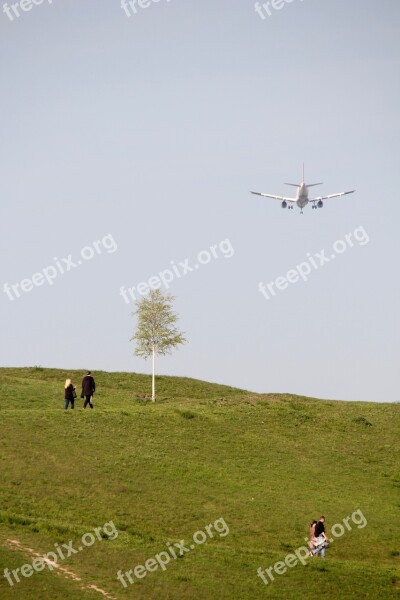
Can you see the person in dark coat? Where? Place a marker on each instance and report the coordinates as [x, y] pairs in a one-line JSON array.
[[88, 389], [69, 394]]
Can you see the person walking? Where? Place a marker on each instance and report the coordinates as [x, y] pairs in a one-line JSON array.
[[320, 538], [88, 389], [311, 535], [69, 394]]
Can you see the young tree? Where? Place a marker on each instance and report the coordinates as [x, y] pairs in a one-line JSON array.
[[156, 331]]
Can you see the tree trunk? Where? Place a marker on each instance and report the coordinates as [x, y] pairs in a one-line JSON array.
[[153, 382]]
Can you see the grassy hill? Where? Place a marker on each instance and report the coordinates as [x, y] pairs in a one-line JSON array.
[[264, 464]]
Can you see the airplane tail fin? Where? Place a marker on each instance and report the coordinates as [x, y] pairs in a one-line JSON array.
[[297, 185], [310, 184]]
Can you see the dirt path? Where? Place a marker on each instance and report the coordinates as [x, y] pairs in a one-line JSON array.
[[62, 571]]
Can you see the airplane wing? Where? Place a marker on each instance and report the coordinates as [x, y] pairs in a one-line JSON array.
[[331, 196], [275, 197]]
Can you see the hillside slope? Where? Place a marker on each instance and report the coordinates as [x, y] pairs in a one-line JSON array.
[[263, 465]]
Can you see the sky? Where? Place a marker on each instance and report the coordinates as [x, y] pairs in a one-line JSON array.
[[130, 141]]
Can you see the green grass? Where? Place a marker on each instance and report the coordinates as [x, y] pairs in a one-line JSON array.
[[266, 464]]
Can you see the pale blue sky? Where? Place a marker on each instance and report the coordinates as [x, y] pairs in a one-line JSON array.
[[153, 129]]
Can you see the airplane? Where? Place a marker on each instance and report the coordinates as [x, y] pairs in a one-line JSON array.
[[302, 198]]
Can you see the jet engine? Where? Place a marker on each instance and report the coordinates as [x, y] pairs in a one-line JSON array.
[[320, 204], [284, 204]]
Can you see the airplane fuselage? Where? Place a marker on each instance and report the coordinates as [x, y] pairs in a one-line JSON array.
[[302, 196]]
